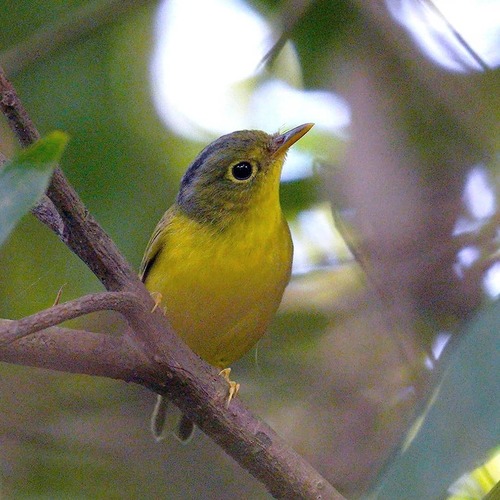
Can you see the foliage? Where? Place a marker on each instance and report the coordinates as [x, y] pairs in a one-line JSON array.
[[24, 179]]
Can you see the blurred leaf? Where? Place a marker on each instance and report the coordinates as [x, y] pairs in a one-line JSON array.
[[460, 426], [24, 179]]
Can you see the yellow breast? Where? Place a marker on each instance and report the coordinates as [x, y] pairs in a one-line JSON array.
[[221, 289]]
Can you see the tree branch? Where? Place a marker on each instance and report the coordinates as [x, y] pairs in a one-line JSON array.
[[16, 115], [75, 351], [46, 213], [123, 302], [170, 367]]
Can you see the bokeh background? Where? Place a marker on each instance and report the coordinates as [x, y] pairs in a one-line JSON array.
[[381, 366]]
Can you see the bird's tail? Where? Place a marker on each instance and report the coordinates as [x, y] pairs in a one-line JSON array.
[[183, 431]]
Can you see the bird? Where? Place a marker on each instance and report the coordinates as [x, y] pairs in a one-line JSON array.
[[220, 258]]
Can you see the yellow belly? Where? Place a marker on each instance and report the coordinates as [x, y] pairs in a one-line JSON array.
[[220, 291]]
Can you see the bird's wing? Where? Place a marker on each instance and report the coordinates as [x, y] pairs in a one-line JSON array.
[[155, 244]]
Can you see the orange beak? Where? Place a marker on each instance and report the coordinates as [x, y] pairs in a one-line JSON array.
[[282, 142]]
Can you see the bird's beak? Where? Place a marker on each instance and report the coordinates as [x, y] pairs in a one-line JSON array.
[[282, 142]]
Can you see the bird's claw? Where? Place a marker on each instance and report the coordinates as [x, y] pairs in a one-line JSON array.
[[234, 387], [157, 297]]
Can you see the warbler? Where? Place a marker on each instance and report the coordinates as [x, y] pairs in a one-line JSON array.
[[221, 256]]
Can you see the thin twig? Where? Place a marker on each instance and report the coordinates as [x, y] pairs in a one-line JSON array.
[[461, 40], [123, 302], [57, 300], [18, 118], [291, 13], [46, 213]]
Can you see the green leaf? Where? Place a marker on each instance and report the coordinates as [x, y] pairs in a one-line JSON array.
[[24, 179], [459, 429]]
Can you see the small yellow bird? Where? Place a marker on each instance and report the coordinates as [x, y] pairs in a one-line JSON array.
[[220, 258]]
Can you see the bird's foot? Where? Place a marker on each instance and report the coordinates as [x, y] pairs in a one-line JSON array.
[[157, 297], [234, 387]]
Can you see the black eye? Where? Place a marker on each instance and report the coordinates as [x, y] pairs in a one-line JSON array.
[[242, 171]]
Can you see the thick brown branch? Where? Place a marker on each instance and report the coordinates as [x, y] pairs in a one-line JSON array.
[[75, 351], [123, 302]]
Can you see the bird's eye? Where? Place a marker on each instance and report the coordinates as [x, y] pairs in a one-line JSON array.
[[242, 171]]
